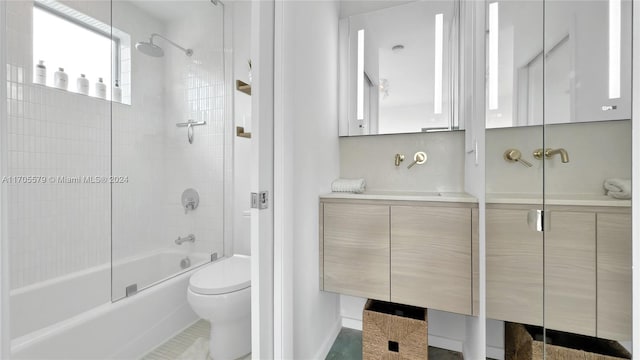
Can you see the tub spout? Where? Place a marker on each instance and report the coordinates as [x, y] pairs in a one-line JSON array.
[[191, 238]]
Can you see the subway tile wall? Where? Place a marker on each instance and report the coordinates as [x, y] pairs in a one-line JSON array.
[[54, 228], [59, 229], [198, 96]]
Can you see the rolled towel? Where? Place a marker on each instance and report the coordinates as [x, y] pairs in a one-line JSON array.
[[348, 185], [618, 188]]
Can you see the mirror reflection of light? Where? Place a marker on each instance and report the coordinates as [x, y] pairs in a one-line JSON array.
[[360, 77], [615, 29], [493, 56], [437, 94]]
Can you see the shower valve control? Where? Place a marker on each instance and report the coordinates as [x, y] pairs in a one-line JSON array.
[[190, 200], [260, 200]]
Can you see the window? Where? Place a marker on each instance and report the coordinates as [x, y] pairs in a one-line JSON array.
[[64, 38]]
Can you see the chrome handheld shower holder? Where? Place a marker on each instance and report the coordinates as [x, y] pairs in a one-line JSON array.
[[189, 125]]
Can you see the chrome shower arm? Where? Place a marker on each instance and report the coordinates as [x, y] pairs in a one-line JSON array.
[[189, 52]]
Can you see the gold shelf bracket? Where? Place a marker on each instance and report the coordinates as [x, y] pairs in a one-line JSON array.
[[240, 132], [243, 87]]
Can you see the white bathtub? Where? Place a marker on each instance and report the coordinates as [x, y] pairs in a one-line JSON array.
[[72, 317]]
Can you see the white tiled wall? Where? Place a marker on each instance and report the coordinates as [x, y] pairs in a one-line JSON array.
[[138, 139], [242, 116], [57, 229], [196, 92], [54, 229]]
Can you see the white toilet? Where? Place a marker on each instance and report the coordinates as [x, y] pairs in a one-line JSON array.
[[221, 293]]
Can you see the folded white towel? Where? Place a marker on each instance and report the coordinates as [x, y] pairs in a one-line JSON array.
[[348, 185], [618, 188]]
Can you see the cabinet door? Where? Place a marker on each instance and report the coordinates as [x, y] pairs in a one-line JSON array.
[[614, 276], [431, 257], [570, 279], [514, 267], [356, 250]]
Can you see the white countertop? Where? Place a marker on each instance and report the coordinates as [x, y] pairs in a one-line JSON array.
[[457, 197], [556, 199]]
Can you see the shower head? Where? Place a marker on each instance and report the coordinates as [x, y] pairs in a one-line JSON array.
[[151, 49]]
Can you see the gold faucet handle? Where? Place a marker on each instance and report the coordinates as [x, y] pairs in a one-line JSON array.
[[419, 158], [514, 155]]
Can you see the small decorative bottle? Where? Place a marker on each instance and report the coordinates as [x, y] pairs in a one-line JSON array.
[[41, 74], [116, 92], [61, 79], [82, 85], [101, 89]]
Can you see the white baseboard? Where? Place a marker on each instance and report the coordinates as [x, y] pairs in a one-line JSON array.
[[328, 342], [434, 340], [350, 323], [445, 343], [495, 353]]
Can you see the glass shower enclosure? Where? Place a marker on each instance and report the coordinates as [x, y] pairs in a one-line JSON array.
[[169, 141], [118, 152]]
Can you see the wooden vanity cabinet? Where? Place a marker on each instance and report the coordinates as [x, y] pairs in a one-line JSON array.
[[585, 255], [614, 276], [570, 272], [514, 267], [356, 250], [414, 253], [431, 257]]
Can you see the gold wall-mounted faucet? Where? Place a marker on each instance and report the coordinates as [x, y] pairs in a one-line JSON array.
[[399, 159], [548, 153]]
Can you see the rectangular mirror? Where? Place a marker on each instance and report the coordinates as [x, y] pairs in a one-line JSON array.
[[398, 67], [587, 69]]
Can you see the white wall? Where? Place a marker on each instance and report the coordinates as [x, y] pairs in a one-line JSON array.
[[310, 111], [372, 157]]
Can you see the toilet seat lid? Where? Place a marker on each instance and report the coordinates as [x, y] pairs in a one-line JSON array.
[[224, 276]]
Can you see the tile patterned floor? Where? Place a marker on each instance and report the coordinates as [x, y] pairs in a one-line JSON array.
[[191, 344], [348, 346]]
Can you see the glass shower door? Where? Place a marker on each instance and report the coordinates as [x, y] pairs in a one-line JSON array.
[[169, 145], [587, 173]]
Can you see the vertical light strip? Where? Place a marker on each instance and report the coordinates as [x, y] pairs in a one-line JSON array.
[[437, 91], [493, 56], [360, 77], [615, 30]]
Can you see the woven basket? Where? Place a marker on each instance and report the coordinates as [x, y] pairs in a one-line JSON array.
[[393, 331], [521, 345]]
